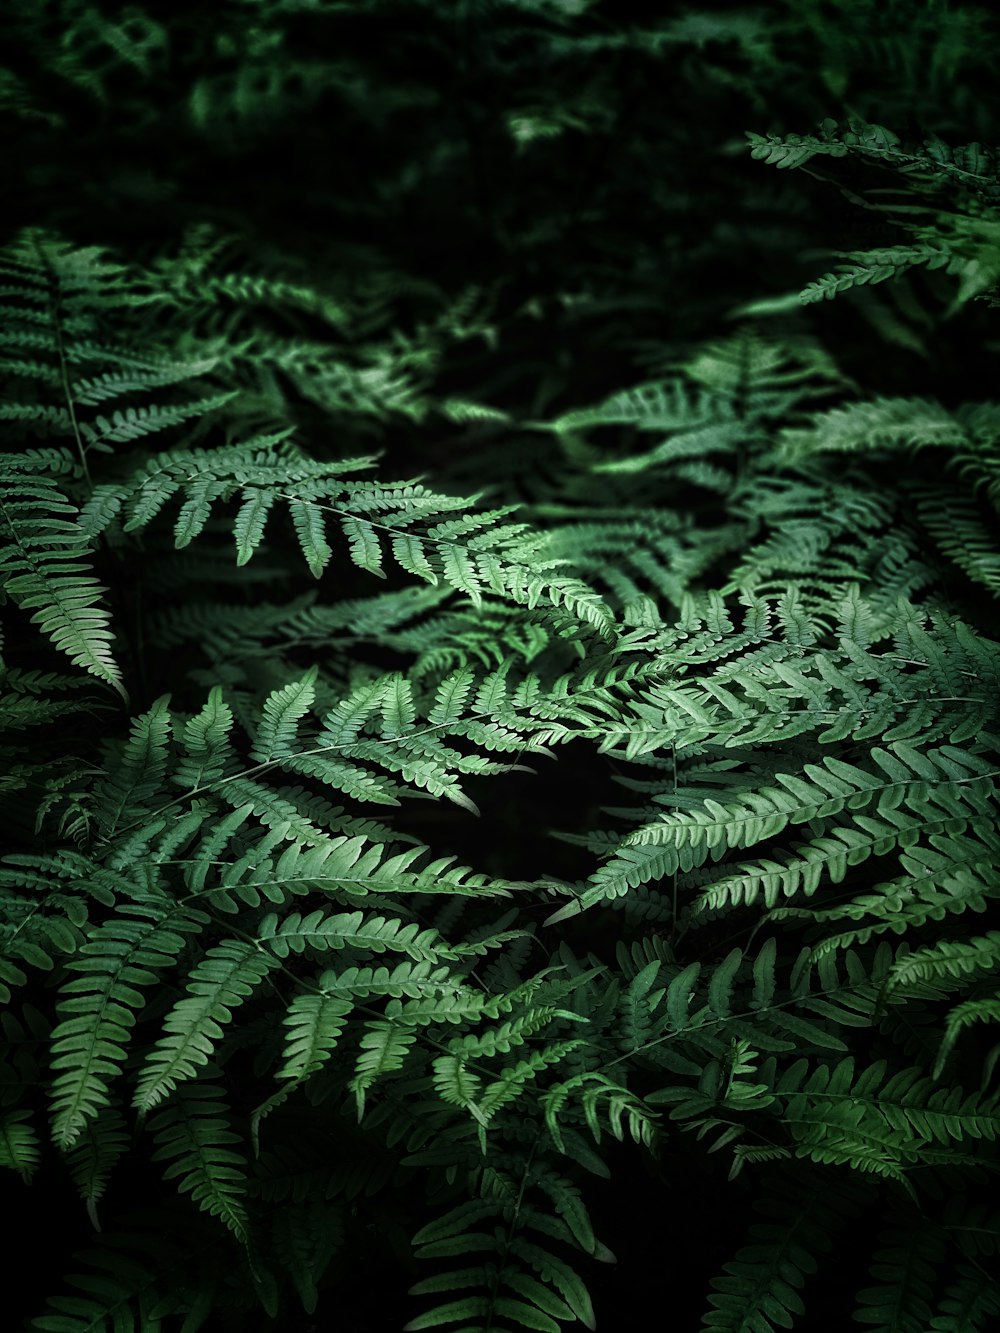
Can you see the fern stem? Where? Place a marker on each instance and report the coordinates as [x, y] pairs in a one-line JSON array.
[[674, 935], [271, 764], [63, 363], [509, 1234], [729, 1018]]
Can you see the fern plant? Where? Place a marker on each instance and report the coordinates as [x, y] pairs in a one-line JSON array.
[[956, 230], [613, 883]]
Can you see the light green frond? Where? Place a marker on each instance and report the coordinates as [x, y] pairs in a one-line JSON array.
[[283, 710], [225, 977], [315, 1024], [98, 1008], [384, 1048]]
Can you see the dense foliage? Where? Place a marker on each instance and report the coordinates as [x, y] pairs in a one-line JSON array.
[[621, 870]]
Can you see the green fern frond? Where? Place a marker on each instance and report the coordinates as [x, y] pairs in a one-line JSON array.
[[545, 1290], [315, 1024], [118, 1298], [208, 753], [100, 1146], [321, 933], [868, 267], [983, 1010], [20, 1149], [306, 1237], [969, 1304], [45, 568], [98, 1007], [760, 1288], [282, 712], [226, 975], [720, 594], [192, 1134], [947, 961], [958, 528], [137, 778], [384, 1048], [905, 1265]]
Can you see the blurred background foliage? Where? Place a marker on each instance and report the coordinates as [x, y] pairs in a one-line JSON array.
[[568, 180]]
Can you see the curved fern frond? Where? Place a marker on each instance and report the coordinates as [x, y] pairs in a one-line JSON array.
[[192, 1134], [45, 568], [98, 1008], [20, 1149], [905, 1266], [226, 976], [283, 710], [760, 1288]]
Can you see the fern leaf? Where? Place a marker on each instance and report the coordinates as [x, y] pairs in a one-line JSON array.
[[398, 711], [905, 1265], [98, 1008], [721, 984], [310, 529], [227, 974], [680, 995], [207, 751], [248, 527], [452, 694], [354, 930], [873, 266], [306, 1237], [970, 1304], [283, 710], [192, 1134], [456, 1084], [760, 1287], [133, 783], [315, 1025], [366, 550], [384, 1047], [558, 1274], [344, 724], [972, 1011], [461, 573], [135, 422], [100, 1146], [45, 569], [411, 555], [19, 1146]]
